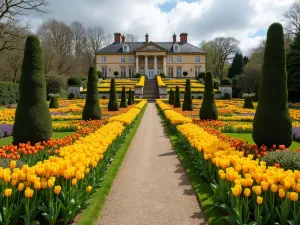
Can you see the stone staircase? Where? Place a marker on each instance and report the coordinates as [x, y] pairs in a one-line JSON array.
[[150, 89]]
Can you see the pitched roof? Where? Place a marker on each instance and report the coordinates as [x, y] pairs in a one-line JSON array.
[[116, 47]]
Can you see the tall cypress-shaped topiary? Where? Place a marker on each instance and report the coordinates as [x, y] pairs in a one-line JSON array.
[[92, 110], [177, 98], [54, 103], [208, 110], [123, 103], [130, 97], [32, 119], [113, 104], [187, 101], [272, 123], [170, 96], [248, 104]]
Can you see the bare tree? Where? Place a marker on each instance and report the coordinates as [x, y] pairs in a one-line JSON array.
[[96, 37], [79, 37], [292, 18], [131, 38], [108, 40]]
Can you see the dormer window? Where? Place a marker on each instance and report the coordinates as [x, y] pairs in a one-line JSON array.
[[176, 47], [125, 47]]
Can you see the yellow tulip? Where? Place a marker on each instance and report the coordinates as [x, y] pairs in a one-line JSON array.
[[88, 189], [57, 189], [21, 187], [7, 192], [294, 196], [274, 188], [281, 193], [12, 164], [247, 192], [28, 192], [264, 185], [259, 200], [74, 181]]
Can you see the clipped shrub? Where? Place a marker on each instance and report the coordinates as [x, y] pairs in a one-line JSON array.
[[123, 103], [32, 118], [170, 97], [92, 110], [199, 97], [53, 101], [137, 75], [72, 95], [116, 73], [216, 83], [130, 97], [288, 160], [162, 75], [113, 104], [104, 97], [201, 75], [272, 122], [84, 84], [208, 110], [187, 101], [177, 98], [227, 96], [74, 81], [9, 93], [185, 73], [54, 84], [248, 104], [100, 74], [226, 81]]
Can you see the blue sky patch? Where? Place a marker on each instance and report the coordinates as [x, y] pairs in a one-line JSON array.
[[260, 32], [169, 5]]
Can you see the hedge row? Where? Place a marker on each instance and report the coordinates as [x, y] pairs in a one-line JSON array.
[[9, 93]]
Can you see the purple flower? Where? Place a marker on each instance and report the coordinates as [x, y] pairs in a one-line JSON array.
[[6, 130], [296, 133], [58, 114], [246, 114]]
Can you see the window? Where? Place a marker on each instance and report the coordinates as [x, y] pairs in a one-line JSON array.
[[131, 59], [179, 59], [150, 60], [197, 59], [123, 72], [142, 71], [197, 71], [131, 72], [178, 71], [125, 48], [104, 59], [158, 71], [142, 60], [176, 48], [104, 71], [122, 59], [170, 59], [170, 71], [159, 59]]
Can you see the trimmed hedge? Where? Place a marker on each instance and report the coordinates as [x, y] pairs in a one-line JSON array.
[[123, 103], [54, 103], [226, 81], [113, 104], [130, 97], [248, 104], [177, 98], [187, 101], [76, 81], [9, 93], [288, 160]]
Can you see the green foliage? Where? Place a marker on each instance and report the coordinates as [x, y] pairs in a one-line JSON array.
[[123, 103], [130, 97], [76, 81], [226, 81], [293, 69], [272, 123], [216, 83], [54, 84], [201, 75], [208, 110], [236, 66], [288, 160], [227, 96], [246, 60], [162, 75], [187, 101], [54, 103], [177, 98], [100, 74], [248, 104], [116, 73], [32, 119], [9, 93], [113, 104], [185, 73], [92, 110], [137, 75], [72, 95], [171, 97]]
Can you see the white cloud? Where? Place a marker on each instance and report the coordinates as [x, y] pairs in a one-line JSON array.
[[202, 20]]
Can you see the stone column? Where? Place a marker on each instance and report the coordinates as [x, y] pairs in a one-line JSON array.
[[155, 65], [146, 65], [136, 64], [165, 65]]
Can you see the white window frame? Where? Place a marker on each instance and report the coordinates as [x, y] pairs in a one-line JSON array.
[[170, 71], [180, 75], [197, 59], [131, 72], [104, 71], [197, 71], [123, 72], [142, 71], [179, 59], [159, 59], [142, 60], [122, 59], [103, 59], [131, 59], [170, 58], [159, 71], [176, 50]]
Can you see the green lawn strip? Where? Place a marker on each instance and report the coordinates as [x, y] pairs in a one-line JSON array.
[[8, 140], [248, 137], [91, 214]]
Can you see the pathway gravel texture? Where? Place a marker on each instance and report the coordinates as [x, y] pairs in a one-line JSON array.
[[151, 186]]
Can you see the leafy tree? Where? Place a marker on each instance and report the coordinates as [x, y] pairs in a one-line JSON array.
[[32, 119], [116, 73], [246, 60], [113, 104], [123, 103], [92, 110], [208, 110], [54, 102], [185, 73], [187, 101], [272, 123], [177, 98], [130, 97], [236, 66]]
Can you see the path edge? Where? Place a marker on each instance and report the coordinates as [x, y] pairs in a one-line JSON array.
[[92, 213]]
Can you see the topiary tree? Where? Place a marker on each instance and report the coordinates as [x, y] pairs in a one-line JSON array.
[[137, 75], [272, 123], [170, 96], [130, 97], [53, 101], [208, 110], [74, 81], [100, 75], [226, 81], [187, 101], [32, 118], [113, 104], [162, 75], [116, 73], [248, 104], [92, 110], [177, 98], [201, 75], [185, 73], [123, 103]]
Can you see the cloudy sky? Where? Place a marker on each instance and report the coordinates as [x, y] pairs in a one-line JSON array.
[[246, 20]]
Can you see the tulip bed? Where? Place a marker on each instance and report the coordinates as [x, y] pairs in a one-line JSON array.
[[57, 187], [246, 190]]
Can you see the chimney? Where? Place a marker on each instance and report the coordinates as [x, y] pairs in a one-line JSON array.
[[183, 37], [146, 37], [174, 38], [123, 38], [117, 37]]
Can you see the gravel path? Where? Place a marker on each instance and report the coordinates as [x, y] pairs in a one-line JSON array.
[[151, 186]]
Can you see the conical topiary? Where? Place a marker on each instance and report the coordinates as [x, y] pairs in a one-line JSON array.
[[177, 98], [123, 103], [248, 104], [54, 103], [130, 97], [272, 123], [32, 119], [187, 100], [208, 110], [92, 110], [172, 97], [113, 104], [170, 93]]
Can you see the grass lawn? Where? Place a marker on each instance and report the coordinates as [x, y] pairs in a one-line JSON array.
[[248, 137], [8, 140]]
